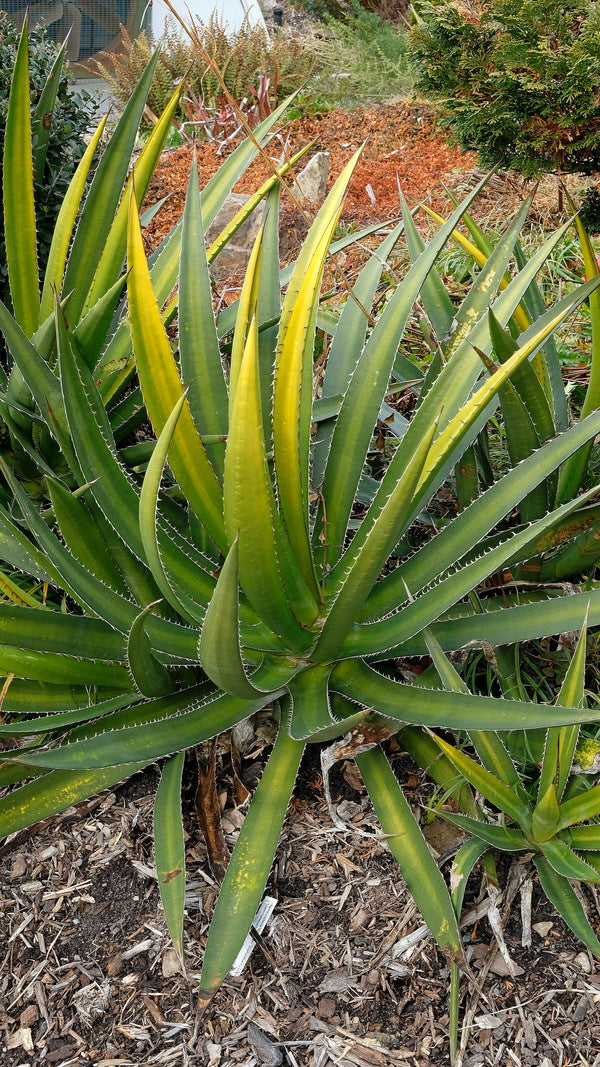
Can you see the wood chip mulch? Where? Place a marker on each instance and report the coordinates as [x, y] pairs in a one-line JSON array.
[[344, 975]]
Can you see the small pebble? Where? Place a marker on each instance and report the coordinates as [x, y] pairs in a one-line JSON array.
[[582, 960]]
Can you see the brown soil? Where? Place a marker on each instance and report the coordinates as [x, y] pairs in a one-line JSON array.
[[342, 976], [402, 149]]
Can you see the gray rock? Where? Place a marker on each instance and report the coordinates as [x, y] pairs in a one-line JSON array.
[[312, 181], [234, 257]]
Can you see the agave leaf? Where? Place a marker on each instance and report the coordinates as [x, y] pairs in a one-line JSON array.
[[493, 262], [219, 650], [167, 725], [252, 203], [162, 388], [250, 863], [572, 474], [584, 837], [311, 709], [60, 668], [81, 533], [103, 197], [154, 547], [407, 844], [199, 351], [567, 863], [41, 381], [169, 847], [89, 335], [293, 386], [115, 245], [545, 818], [580, 808], [54, 792], [151, 678], [41, 629], [371, 546], [505, 838], [268, 308], [543, 616], [561, 743], [454, 711], [489, 785], [63, 229], [19, 209], [347, 341], [266, 570], [553, 385], [462, 866], [434, 295], [489, 747], [564, 899], [374, 637], [362, 400], [47, 721]]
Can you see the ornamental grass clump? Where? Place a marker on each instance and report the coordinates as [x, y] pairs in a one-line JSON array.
[[245, 557]]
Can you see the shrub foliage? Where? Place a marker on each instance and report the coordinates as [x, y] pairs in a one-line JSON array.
[[518, 82], [69, 121]]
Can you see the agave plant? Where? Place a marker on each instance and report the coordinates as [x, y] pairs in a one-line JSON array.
[[253, 561]]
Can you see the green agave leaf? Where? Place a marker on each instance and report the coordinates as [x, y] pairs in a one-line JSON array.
[[551, 614], [545, 818], [567, 863], [434, 296], [567, 903], [470, 527], [154, 547], [63, 229], [572, 475], [580, 808], [293, 386], [83, 536], [371, 546], [250, 863], [219, 650], [489, 747], [348, 339], [505, 838], [55, 792], [187, 718], [411, 851], [584, 837], [41, 382], [453, 711], [561, 743], [89, 335], [169, 847], [151, 678], [47, 721], [489, 785], [199, 351], [102, 199], [268, 308], [162, 388], [360, 407], [43, 630], [462, 866], [311, 709], [371, 638], [19, 209], [490, 278], [533, 302], [113, 253], [59, 668], [268, 577]]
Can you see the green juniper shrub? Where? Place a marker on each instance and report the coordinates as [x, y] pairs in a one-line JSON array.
[[71, 119], [517, 81]]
